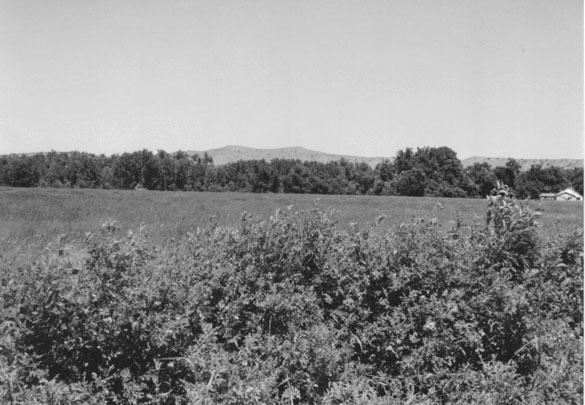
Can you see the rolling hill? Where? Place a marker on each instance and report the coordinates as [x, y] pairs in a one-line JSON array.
[[232, 153]]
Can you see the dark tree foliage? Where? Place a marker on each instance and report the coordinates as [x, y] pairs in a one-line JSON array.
[[508, 173], [428, 171], [411, 183], [385, 170], [19, 172], [404, 160], [576, 178], [482, 179], [537, 180], [297, 180], [167, 167], [127, 171]]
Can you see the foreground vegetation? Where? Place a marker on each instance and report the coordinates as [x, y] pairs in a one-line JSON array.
[[298, 308]]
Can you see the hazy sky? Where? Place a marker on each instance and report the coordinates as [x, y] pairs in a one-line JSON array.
[[484, 77]]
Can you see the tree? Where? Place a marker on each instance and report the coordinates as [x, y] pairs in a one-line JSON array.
[[56, 169], [127, 171], [38, 167], [538, 180], [411, 183], [107, 177], [576, 178], [296, 181], [82, 170], [385, 170], [554, 179], [19, 172], [404, 160], [4, 165], [364, 177], [198, 177], [482, 177], [440, 164], [262, 177], [438, 170], [166, 168], [508, 173], [529, 184], [182, 169]]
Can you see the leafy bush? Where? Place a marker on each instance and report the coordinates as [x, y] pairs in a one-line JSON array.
[[295, 310]]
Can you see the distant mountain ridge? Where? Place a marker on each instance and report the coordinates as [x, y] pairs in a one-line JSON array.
[[233, 153]]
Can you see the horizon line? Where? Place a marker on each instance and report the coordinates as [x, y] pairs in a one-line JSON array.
[[285, 147]]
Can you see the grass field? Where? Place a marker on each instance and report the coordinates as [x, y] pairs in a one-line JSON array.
[[34, 217]]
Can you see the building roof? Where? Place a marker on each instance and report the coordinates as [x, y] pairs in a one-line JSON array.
[[570, 191]]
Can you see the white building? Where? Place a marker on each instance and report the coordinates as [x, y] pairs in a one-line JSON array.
[[547, 196], [568, 194]]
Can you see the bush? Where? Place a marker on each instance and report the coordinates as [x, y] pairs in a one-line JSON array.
[[295, 310]]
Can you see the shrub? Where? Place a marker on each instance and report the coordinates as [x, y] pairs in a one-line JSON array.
[[295, 310]]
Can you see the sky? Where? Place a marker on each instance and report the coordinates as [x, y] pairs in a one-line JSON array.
[[498, 78]]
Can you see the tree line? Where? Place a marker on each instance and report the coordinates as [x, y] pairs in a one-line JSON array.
[[427, 171]]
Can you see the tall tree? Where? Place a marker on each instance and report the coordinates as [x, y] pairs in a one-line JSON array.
[[576, 178], [410, 183], [404, 160], [483, 179], [385, 170], [508, 173], [166, 169]]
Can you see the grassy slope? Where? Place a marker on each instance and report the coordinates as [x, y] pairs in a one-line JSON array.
[[33, 217]]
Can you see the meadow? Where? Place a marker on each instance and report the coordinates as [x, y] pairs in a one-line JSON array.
[[140, 297], [34, 217]]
